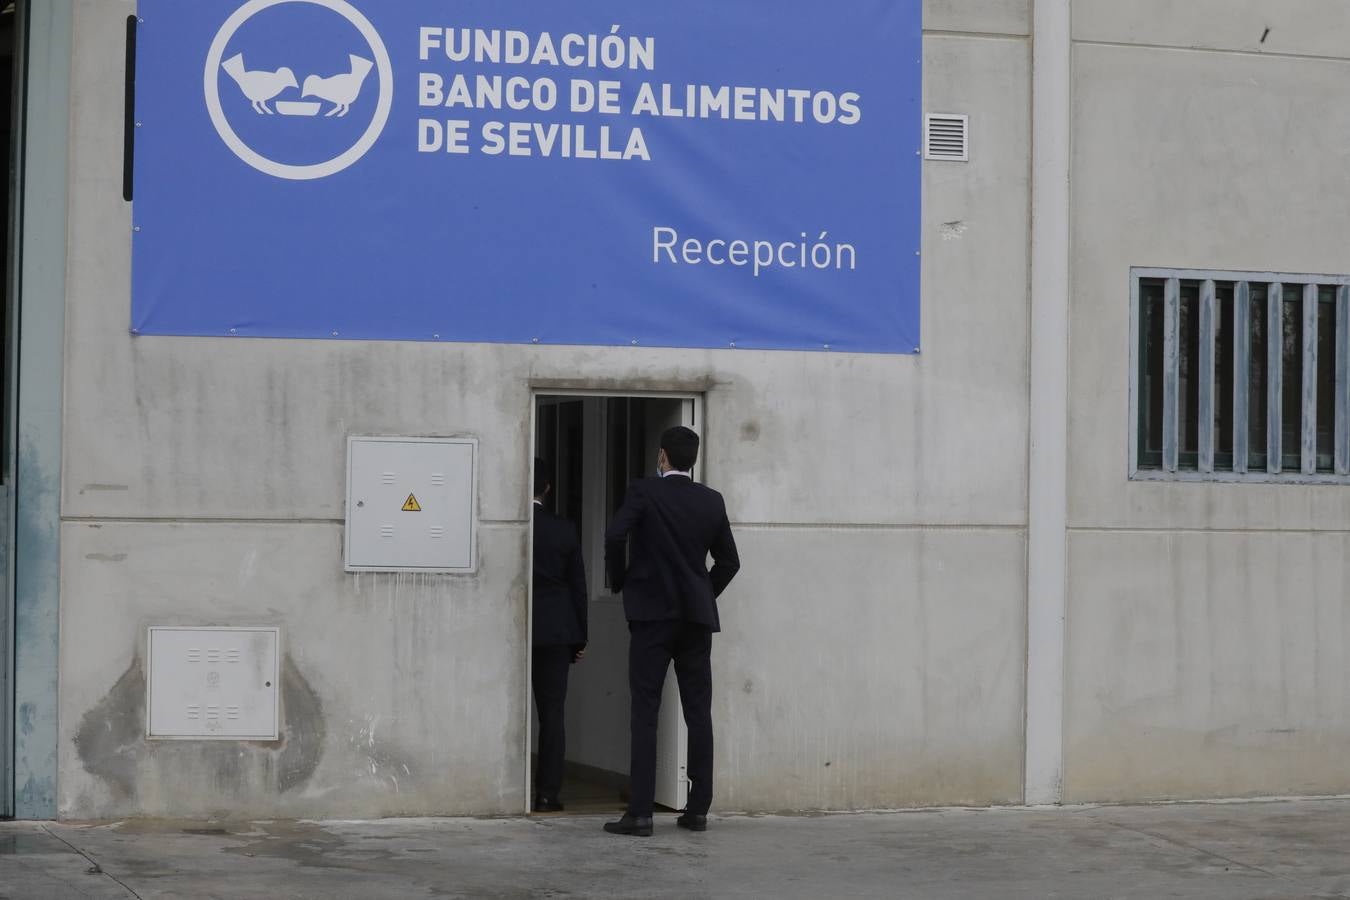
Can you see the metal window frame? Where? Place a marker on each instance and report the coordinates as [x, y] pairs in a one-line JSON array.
[[1274, 472]]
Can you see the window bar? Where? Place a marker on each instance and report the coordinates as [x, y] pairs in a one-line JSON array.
[[1274, 376], [1206, 430], [1310, 293], [1171, 373], [1241, 330], [1343, 380]]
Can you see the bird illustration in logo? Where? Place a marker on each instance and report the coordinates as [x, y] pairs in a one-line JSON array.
[[261, 86], [340, 90]]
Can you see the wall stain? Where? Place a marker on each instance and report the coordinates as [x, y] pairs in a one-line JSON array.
[[112, 746], [111, 735], [106, 557], [303, 737], [36, 794]]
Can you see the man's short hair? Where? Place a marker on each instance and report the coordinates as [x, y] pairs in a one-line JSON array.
[[543, 477], [681, 446]]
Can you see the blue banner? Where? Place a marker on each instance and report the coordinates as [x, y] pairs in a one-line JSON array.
[[708, 173]]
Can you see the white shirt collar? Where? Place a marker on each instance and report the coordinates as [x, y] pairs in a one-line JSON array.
[[538, 503], [669, 472]]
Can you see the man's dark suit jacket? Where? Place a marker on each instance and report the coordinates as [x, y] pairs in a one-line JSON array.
[[560, 600], [671, 524]]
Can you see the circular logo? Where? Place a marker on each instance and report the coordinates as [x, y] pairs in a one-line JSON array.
[[261, 87]]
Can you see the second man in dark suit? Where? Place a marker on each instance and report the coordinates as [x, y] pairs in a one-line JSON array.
[[559, 635], [668, 526]]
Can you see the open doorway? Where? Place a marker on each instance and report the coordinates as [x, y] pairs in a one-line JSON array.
[[596, 445]]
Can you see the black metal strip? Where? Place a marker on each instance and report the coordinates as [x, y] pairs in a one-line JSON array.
[[129, 122]]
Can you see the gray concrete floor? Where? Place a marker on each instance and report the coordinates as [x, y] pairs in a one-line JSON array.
[[1230, 851]]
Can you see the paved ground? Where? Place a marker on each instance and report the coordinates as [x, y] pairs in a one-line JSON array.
[[1230, 851]]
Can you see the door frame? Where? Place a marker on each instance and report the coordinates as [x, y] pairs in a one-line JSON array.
[[9, 404], [537, 391]]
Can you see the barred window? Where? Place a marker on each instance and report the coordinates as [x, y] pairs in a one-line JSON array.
[[1240, 376]]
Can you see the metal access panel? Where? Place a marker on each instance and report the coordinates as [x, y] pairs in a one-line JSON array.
[[411, 504], [213, 684]]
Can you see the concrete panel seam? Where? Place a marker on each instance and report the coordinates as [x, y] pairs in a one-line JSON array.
[[1267, 54], [978, 35], [227, 520], [507, 523], [874, 526], [193, 520], [1087, 529], [94, 867], [1176, 842]]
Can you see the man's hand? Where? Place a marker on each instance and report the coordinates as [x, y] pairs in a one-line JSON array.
[[581, 654]]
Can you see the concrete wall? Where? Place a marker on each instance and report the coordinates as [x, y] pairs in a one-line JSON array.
[[36, 370], [873, 647], [1205, 634]]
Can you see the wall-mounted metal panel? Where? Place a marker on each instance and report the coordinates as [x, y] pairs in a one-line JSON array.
[[213, 684], [410, 504]]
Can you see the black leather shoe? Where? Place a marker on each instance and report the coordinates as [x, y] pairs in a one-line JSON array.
[[631, 825], [547, 804], [692, 822]]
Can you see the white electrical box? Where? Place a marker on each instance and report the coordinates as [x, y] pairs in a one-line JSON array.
[[410, 504], [212, 684]]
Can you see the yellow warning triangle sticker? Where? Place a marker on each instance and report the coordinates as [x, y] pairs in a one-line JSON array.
[[412, 505]]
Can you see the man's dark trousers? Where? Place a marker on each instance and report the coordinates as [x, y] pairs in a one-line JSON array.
[[652, 647], [656, 553], [549, 675]]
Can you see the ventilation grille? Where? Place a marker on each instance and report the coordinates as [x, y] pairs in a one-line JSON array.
[[947, 137]]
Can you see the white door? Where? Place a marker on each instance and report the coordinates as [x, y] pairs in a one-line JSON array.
[[672, 736]]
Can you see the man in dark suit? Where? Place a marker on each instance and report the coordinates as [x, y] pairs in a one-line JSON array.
[[669, 525], [559, 638]]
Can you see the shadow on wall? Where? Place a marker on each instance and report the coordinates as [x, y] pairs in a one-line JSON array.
[[112, 746]]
